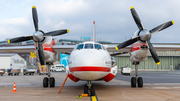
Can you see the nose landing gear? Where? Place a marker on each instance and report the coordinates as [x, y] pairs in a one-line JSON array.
[[89, 89]]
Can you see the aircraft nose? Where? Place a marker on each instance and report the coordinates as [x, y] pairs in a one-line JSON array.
[[88, 59]]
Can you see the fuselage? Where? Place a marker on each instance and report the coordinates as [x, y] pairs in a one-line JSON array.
[[90, 61]]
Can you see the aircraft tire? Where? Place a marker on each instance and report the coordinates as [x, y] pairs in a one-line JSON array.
[[85, 89], [52, 82], [140, 82], [133, 82], [92, 90], [45, 82]]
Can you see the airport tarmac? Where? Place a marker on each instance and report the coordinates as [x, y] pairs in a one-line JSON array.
[[30, 88]]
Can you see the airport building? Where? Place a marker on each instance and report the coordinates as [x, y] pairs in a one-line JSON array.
[[170, 60]]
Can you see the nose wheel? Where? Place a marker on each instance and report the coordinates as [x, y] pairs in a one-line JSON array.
[[136, 80], [89, 89]]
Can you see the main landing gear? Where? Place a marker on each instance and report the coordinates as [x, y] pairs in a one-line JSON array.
[[89, 89], [136, 80], [49, 80]]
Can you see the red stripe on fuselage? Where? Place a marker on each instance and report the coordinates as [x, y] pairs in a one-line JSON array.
[[89, 68], [136, 46]]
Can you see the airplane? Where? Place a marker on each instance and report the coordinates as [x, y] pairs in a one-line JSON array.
[[91, 61]]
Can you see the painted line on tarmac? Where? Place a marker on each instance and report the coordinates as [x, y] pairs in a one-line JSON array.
[[94, 98]]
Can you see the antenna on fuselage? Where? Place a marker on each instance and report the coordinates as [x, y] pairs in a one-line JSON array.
[[94, 37]]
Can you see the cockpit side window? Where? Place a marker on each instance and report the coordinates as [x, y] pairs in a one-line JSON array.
[[104, 48], [80, 46], [88, 46], [97, 46]]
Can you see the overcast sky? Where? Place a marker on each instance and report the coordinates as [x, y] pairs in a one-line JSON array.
[[113, 18]]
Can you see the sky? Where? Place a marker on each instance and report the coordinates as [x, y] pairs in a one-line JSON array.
[[113, 18]]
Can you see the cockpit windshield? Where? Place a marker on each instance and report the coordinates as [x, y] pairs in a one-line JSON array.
[[97, 46], [88, 46], [80, 46]]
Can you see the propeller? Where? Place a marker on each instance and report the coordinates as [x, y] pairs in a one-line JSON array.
[[38, 36], [144, 35]]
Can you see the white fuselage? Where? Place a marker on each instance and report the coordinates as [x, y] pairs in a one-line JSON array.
[[90, 61]]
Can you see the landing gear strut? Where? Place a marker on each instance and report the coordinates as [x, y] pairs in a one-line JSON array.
[[49, 80], [89, 89], [136, 80]]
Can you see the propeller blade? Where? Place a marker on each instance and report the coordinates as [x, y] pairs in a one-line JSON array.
[[41, 54], [153, 52], [35, 18], [20, 39], [58, 32], [161, 27], [136, 18], [127, 43]]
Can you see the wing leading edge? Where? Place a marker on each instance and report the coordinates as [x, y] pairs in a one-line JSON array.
[[63, 48], [17, 49], [111, 48], [69, 48]]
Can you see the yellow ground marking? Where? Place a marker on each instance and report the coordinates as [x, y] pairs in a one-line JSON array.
[[93, 98]]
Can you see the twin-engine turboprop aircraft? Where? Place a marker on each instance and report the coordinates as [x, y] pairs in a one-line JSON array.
[[91, 61]]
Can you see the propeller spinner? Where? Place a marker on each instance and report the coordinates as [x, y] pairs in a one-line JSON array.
[[38, 36], [144, 35]]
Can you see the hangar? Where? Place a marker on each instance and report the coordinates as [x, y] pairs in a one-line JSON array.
[[170, 60], [13, 61]]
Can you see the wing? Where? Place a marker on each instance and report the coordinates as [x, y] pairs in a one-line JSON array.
[[63, 48], [17, 49], [167, 47], [111, 48]]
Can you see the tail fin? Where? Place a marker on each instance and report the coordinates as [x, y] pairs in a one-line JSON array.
[[94, 36]]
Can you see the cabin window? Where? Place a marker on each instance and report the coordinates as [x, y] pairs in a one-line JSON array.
[[97, 46], [88, 46], [80, 46]]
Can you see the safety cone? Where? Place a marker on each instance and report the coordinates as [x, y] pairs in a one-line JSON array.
[[14, 87]]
